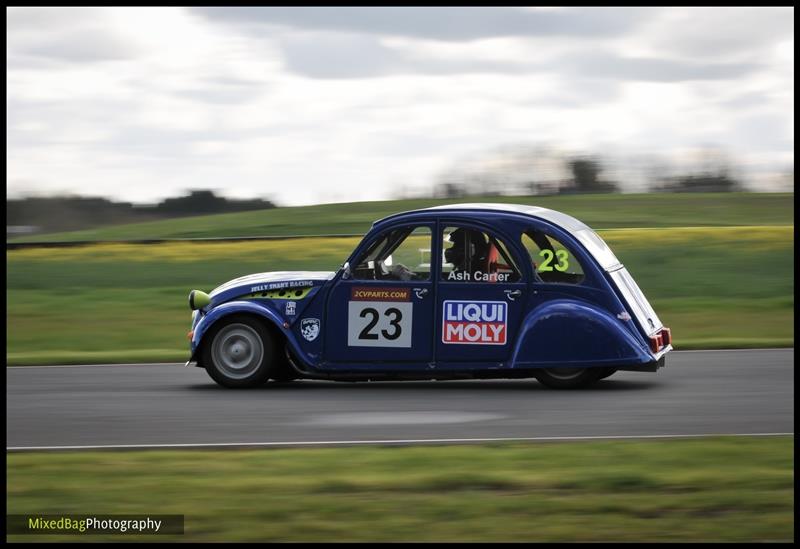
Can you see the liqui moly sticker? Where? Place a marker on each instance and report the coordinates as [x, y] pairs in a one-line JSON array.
[[474, 322]]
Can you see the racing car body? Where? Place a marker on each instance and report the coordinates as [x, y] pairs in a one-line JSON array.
[[461, 291]]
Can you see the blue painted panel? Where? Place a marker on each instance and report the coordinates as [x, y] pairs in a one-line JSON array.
[[310, 344], [575, 333]]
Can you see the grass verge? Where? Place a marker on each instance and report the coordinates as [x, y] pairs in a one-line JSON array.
[[598, 211], [715, 489]]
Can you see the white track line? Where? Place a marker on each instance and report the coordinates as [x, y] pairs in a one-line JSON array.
[[382, 442], [97, 365], [182, 363]]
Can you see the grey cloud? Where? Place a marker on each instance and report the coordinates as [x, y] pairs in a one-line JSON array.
[[40, 36], [213, 88], [579, 92], [764, 132], [222, 91], [326, 55], [87, 45], [232, 81], [746, 101], [47, 19], [650, 69], [358, 56], [125, 136], [24, 61], [724, 32], [437, 23], [340, 57]]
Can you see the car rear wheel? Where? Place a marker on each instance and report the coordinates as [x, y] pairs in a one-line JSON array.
[[569, 378], [239, 352]]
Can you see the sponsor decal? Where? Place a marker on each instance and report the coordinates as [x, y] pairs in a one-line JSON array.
[[380, 294], [290, 307], [281, 285], [309, 327], [379, 323], [474, 322]]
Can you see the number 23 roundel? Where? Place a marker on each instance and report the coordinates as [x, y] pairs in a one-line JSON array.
[[379, 317]]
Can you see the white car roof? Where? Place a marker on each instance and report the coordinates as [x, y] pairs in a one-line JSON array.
[[561, 219]]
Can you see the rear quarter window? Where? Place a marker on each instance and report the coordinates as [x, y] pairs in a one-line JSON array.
[[553, 261]]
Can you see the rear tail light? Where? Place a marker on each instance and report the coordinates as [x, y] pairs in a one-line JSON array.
[[656, 342], [660, 339]]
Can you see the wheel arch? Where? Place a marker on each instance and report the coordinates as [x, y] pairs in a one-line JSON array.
[[265, 316], [575, 333]]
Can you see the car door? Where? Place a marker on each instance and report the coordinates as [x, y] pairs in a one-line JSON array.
[[383, 312], [480, 298]]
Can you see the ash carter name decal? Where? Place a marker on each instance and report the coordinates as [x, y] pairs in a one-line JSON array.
[[281, 285], [478, 276], [474, 322]]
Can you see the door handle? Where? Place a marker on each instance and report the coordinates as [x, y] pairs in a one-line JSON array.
[[513, 294], [420, 292]]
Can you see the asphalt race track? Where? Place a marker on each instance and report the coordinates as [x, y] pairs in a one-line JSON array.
[[697, 393]]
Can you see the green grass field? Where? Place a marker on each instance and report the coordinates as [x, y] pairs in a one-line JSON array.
[[715, 287], [597, 211], [718, 489]]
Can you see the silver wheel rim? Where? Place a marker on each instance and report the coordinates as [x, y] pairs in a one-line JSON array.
[[237, 351], [565, 373]]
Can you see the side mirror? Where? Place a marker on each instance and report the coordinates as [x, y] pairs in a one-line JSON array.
[[346, 272]]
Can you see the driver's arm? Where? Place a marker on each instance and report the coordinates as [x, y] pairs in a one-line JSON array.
[[401, 272]]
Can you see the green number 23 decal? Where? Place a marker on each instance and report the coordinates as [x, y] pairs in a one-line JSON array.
[[561, 255]]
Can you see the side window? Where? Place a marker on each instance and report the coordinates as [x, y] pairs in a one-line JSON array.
[[553, 261], [470, 255], [399, 254]]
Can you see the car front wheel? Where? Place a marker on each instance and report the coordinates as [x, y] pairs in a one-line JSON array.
[[239, 352], [569, 378]]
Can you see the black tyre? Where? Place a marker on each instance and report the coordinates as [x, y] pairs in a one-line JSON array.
[[284, 372], [239, 351], [607, 372], [569, 378]]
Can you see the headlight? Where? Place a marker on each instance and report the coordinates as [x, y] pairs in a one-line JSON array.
[[198, 299]]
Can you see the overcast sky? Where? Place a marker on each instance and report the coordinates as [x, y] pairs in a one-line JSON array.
[[306, 105]]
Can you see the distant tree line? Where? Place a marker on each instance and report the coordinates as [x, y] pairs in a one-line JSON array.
[[67, 213], [584, 175], [700, 183]]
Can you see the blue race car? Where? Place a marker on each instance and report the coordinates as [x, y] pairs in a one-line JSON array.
[[462, 291]]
